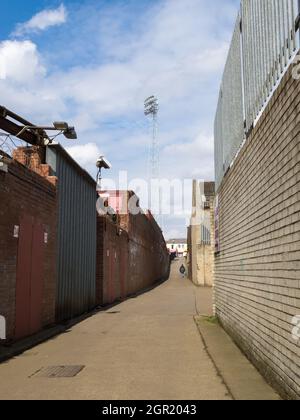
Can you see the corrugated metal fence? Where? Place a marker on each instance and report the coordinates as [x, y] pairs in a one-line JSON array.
[[76, 287], [265, 40]]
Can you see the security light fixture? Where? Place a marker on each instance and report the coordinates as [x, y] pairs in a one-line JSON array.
[[62, 127], [103, 163], [17, 126], [70, 133]]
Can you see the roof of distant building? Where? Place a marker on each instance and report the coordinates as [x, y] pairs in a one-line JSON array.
[[176, 241]]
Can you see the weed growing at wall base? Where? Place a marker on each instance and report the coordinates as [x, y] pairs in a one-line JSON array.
[[2, 328], [296, 329]]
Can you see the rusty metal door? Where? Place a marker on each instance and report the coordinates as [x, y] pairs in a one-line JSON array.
[[29, 280]]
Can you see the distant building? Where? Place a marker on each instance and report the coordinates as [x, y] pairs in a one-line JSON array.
[[200, 248], [178, 247]]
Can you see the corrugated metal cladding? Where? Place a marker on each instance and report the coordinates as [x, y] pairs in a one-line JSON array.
[[264, 42], [76, 287]]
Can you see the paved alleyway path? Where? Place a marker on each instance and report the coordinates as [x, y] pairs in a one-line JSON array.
[[145, 348]]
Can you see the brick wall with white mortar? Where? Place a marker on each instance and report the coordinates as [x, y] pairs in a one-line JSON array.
[[257, 273]]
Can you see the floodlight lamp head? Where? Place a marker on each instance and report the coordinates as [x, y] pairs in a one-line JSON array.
[[151, 106], [151, 99], [61, 125], [70, 133], [103, 163]]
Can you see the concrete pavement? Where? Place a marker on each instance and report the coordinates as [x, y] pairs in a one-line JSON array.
[[145, 348]]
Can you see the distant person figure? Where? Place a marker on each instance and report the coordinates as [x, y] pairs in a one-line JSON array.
[[182, 271], [172, 256]]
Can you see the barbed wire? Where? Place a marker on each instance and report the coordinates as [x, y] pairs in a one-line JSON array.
[[8, 143]]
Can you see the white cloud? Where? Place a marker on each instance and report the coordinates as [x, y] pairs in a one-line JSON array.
[[42, 21], [20, 61], [86, 154], [175, 49], [202, 144], [176, 56], [194, 158]]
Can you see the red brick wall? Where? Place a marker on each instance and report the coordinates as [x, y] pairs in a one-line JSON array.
[[132, 261], [24, 192], [148, 255], [112, 262], [33, 158]]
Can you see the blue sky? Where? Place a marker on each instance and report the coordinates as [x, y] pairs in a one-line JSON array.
[[93, 62]]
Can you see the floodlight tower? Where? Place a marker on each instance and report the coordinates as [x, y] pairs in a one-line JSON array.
[[151, 110]]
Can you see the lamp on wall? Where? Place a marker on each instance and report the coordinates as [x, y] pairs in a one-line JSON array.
[[60, 126]]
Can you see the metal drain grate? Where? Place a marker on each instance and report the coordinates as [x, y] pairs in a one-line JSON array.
[[58, 372]]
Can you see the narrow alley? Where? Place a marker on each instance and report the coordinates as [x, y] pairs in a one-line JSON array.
[[148, 348]]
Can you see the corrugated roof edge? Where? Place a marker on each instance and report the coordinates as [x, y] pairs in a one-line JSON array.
[[59, 148]]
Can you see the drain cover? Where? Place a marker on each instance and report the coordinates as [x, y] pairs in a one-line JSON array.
[[59, 372]]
